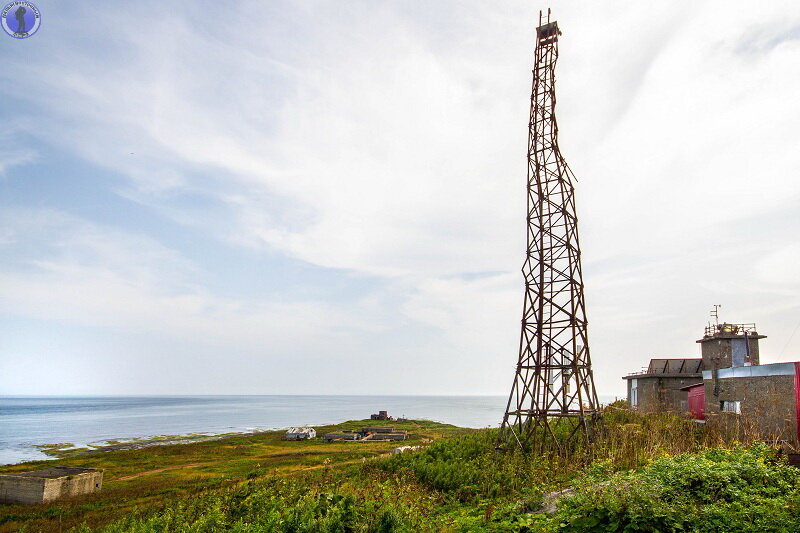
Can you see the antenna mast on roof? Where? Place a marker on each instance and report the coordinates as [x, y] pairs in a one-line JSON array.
[[553, 391], [715, 314]]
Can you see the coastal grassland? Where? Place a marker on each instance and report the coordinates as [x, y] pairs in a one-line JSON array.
[[643, 473], [143, 476]]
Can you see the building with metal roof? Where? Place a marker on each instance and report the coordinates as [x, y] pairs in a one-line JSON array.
[[661, 386], [300, 433]]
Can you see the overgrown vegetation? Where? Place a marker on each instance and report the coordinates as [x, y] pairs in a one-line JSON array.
[[745, 489], [643, 473]]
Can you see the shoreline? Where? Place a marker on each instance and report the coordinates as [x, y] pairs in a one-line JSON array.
[[68, 450], [34, 425]]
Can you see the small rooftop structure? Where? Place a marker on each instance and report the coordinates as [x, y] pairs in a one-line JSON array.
[[300, 433], [730, 345], [50, 484], [548, 33]]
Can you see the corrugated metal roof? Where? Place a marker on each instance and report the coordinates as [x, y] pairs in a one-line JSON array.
[[689, 365], [774, 369]]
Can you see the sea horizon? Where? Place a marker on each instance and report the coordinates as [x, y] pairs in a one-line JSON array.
[[28, 422]]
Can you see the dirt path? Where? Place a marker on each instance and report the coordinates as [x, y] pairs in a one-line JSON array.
[[157, 470], [195, 465]]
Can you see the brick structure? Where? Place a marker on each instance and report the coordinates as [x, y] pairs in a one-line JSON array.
[[47, 485]]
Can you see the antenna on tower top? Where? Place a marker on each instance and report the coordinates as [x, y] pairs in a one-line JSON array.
[[715, 314], [541, 17]]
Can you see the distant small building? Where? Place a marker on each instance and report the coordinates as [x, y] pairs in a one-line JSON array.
[[300, 433], [382, 415], [47, 485], [405, 449]]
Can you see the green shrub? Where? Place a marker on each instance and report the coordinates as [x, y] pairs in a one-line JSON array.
[[469, 467], [717, 490], [272, 507]]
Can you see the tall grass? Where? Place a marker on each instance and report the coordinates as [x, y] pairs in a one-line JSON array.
[[630, 439]]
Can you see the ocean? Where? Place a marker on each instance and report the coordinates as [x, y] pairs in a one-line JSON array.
[[29, 422]]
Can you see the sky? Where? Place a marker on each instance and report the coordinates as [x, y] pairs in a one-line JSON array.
[[328, 197]]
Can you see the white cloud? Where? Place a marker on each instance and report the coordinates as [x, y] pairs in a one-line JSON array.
[[780, 268], [389, 140], [88, 275]]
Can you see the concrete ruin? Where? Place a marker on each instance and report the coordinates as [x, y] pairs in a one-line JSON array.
[[368, 435], [42, 486], [342, 436]]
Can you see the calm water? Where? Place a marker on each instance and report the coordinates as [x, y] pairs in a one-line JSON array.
[[26, 422], [29, 421]]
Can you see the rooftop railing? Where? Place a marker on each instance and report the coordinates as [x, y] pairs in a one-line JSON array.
[[730, 329]]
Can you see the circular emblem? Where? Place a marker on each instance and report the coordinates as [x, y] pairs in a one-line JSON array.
[[21, 19]]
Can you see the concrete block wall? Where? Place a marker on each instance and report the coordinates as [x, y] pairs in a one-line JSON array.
[[72, 485], [658, 394], [767, 405], [48, 485], [18, 489], [717, 351]]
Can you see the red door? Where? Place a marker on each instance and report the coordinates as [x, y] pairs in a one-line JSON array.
[[797, 396], [697, 402]]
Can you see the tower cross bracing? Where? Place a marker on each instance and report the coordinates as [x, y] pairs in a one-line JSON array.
[[553, 385]]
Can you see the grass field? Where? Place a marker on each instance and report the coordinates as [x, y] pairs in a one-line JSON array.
[[153, 476], [642, 473]]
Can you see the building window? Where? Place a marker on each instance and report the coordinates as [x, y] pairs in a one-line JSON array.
[[634, 393], [731, 407]]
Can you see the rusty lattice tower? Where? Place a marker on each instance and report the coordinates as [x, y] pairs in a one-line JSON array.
[[553, 395]]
